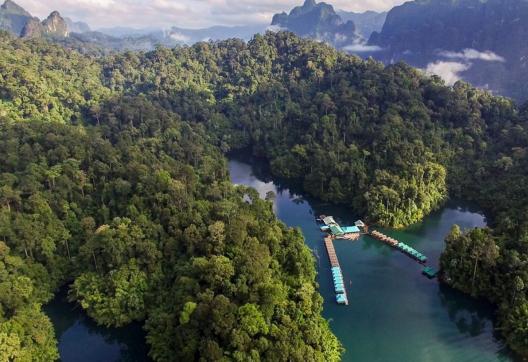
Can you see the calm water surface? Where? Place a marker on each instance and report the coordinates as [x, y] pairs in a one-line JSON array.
[[395, 313], [81, 340]]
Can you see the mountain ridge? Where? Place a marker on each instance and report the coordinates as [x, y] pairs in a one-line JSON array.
[[318, 21], [469, 34]]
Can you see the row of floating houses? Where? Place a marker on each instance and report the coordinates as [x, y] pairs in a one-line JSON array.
[[335, 231], [406, 249], [337, 274]]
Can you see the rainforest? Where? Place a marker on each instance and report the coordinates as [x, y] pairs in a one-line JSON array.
[[113, 183]]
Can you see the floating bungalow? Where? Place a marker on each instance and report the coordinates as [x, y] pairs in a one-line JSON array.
[[429, 272], [404, 248], [360, 224], [337, 275], [337, 231]]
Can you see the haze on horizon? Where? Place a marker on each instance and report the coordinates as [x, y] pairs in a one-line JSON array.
[[182, 13]]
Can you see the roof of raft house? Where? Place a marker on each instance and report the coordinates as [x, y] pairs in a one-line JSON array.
[[359, 223], [329, 220], [336, 230], [350, 229]]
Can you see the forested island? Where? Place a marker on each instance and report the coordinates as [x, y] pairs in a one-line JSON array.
[[113, 183]]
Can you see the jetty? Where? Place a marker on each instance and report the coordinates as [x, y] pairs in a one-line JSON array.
[[337, 232], [404, 248], [337, 275]]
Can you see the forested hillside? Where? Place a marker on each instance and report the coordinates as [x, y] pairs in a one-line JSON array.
[[131, 207], [387, 141], [116, 162]]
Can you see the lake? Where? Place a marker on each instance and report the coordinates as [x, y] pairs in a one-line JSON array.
[[395, 313], [82, 340]]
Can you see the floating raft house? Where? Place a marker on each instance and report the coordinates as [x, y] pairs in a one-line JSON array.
[[350, 229], [337, 231], [329, 220], [429, 272], [399, 245], [360, 224], [337, 275]]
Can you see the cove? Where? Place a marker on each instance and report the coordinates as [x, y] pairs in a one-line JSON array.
[[82, 340], [395, 313]]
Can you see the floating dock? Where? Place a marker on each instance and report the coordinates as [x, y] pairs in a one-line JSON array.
[[404, 248], [337, 275], [429, 272]]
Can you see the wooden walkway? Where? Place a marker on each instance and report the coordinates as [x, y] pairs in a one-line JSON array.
[[341, 297], [331, 251]]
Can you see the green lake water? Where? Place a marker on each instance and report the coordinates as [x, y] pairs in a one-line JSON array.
[[394, 313]]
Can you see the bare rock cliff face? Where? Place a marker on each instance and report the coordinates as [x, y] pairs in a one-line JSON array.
[[13, 18], [32, 29], [54, 25]]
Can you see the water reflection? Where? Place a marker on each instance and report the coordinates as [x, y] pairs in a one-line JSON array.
[[395, 313], [470, 316], [81, 339]]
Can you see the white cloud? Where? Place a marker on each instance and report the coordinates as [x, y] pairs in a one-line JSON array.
[[275, 28], [179, 37], [449, 71], [361, 48], [473, 54], [459, 62], [181, 13]]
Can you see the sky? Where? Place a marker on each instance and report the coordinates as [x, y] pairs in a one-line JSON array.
[[182, 13]]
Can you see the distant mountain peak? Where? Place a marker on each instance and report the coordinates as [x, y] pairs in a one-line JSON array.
[[13, 8], [54, 25], [319, 21], [13, 17], [77, 26]]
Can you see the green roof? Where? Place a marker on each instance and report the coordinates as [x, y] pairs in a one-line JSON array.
[[336, 230], [430, 272]]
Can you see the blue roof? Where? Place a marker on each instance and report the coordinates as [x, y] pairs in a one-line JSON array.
[[350, 229]]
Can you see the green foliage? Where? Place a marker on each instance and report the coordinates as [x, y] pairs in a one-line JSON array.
[[112, 178], [134, 206], [26, 333], [115, 299], [399, 201], [46, 83]]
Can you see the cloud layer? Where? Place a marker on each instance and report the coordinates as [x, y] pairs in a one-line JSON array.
[[449, 71], [458, 62], [362, 47], [182, 13], [473, 54]]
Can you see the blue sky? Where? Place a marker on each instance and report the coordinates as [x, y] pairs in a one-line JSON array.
[[183, 13]]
